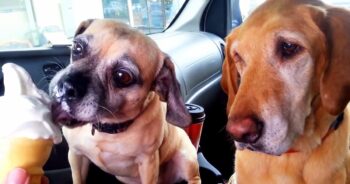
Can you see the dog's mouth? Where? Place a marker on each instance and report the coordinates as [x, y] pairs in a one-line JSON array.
[[256, 147], [64, 118], [251, 147]]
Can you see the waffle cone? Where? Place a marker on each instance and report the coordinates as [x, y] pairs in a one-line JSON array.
[[29, 154]]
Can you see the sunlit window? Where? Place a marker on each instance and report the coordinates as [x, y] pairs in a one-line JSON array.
[[38, 23], [247, 6]]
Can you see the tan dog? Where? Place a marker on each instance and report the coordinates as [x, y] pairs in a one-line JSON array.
[[287, 76], [109, 100]]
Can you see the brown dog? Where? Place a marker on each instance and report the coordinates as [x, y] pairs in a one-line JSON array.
[[287, 76], [109, 100]]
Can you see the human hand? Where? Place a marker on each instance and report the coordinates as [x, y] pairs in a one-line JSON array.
[[20, 176]]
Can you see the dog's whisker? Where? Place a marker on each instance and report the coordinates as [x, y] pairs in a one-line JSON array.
[[43, 79], [106, 109], [223, 129], [97, 118], [58, 62], [44, 86], [51, 71]]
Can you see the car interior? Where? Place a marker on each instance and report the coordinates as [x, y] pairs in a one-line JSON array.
[[195, 40], [197, 52]]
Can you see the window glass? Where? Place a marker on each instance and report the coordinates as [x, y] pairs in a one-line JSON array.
[[38, 23], [247, 6], [340, 3]]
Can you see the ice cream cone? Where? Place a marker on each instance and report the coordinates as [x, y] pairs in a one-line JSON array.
[[29, 154], [28, 133]]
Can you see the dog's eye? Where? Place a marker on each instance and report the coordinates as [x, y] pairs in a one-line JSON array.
[[123, 78], [287, 49], [78, 49]]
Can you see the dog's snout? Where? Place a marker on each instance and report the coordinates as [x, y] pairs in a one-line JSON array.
[[69, 92], [246, 130], [72, 87]]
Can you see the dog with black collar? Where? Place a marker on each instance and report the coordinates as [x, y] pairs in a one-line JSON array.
[[119, 103]]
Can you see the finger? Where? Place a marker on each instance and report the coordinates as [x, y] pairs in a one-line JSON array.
[[17, 176]]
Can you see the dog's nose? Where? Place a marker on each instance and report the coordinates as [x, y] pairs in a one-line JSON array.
[[72, 87], [246, 130], [68, 91]]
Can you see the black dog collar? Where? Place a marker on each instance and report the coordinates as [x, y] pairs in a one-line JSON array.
[[111, 128], [335, 124]]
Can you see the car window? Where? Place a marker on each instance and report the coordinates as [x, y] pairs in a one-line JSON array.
[[248, 6], [37, 23]]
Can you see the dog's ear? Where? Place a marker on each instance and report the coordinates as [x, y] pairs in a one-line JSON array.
[[335, 83], [82, 26], [168, 89], [230, 77]]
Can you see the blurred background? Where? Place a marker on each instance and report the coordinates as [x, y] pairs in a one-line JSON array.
[[35, 23]]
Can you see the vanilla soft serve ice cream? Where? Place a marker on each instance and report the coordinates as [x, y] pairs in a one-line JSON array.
[[25, 110], [27, 132]]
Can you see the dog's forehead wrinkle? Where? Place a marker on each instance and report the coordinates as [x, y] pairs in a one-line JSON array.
[[85, 64], [84, 37], [290, 34], [294, 37], [127, 61]]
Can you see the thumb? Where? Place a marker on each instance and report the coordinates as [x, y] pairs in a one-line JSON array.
[[17, 176]]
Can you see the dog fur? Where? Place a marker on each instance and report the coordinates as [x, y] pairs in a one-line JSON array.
[[287, 76], [118, 74]]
